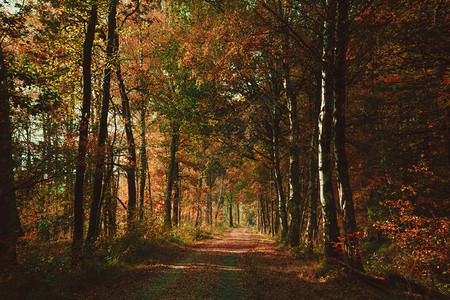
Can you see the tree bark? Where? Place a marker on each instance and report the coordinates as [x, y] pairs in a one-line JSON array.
[[230, 208], [77, 240], [330, 225], [238, 213], [176, 194], [272, 219], [313, 168], [197, 216], [94, 217], [171, 175], [10, 228], [209, 181], [262, 218], [277, 170], [268, 218], [313, 192], [259, 221], [220, 200], [149, 190], [109, 197], [294, 160], [131, 168], [342, 175], [144, 165], [277, 216]]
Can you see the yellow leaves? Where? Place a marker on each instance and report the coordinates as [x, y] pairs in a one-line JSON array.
[[408, 188]]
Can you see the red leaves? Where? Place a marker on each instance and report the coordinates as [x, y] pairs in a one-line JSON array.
[[423, 240]]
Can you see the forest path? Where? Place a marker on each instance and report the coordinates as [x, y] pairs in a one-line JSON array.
[[211, 271], [241, 265]]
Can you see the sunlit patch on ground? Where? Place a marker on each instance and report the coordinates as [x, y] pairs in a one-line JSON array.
[[193, 266], [241, 265]]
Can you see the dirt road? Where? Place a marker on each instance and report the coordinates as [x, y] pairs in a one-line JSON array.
[[242, 265]]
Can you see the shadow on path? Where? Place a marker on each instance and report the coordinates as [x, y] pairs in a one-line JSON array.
[[242, 265]]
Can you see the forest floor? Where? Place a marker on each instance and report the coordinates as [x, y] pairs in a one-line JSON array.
[[241, 265]]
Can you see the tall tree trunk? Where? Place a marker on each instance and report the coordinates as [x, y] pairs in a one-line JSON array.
[[149, 190], [272, 219], [176, 194], [110, 187], [447, 130], [275, 202], [209, 200], [259, 221], [314, 168], [238, 213], [330, 224], [10, 228], [94, 217], [220, 200], [313, 191], [305, 201], [294, 160], [171, 175], [197, 216], [144, 165], [131, 168], [114, 196], [78, 214], [268, 219], [209, 208], [277, 216], [277, 170], [208, 205], [230, 210], [263, 213], [342, 176], [108, 196]]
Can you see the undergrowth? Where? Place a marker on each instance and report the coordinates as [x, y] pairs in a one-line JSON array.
[[380, 257], [384, 258], [45, 271]]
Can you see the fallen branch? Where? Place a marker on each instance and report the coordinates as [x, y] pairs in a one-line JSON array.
[[392, 281], [120, 201]]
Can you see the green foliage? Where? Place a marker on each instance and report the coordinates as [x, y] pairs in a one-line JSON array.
[[186, 233], [327, 270], [132, 247], [213, 72], [46, 273]]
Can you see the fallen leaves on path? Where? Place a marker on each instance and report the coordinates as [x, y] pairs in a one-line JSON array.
[[241, 265]]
